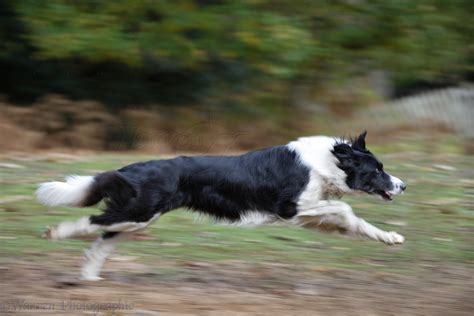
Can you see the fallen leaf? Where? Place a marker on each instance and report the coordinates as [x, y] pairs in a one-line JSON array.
[[396, 223], [11, 165]]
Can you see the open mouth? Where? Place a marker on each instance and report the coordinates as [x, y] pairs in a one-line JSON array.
[[385, 195]]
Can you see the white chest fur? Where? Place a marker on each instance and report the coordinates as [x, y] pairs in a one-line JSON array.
[[326, 179]]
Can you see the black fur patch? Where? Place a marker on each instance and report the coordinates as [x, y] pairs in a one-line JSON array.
[[225, 187], [364, 171]]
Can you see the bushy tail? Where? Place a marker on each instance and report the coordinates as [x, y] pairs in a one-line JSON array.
[[84, 191], [73, 192]]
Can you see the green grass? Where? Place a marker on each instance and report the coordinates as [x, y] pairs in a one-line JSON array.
[[437, 225]]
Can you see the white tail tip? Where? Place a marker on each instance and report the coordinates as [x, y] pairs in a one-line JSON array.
[[70, 193]]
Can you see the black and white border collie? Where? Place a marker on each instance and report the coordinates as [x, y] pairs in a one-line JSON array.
[[299, 183]]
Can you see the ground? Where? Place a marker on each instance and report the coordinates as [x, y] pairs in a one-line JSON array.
[[185, 265], [236, 288]]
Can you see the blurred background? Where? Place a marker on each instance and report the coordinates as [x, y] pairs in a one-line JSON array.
[[89, 86]]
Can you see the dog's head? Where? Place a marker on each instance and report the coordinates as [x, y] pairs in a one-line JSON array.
[[364, 171]]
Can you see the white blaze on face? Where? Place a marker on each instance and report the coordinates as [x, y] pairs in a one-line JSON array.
[[398, 185]]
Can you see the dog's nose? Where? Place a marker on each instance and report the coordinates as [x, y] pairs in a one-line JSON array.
[[403, 187]]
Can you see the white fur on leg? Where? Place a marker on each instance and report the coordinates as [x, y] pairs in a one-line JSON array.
[[95, 257], [340, 215], [130, 226], [254, 219], [365, 229], [64, 230], [102, 248], [83, 226]]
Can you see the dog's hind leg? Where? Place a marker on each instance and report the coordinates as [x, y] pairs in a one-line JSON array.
[[87, 225], [95, 257], [103, 246], [64, 230], [337, 215]]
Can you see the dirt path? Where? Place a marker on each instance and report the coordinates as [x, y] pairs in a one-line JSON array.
[[233, 289]]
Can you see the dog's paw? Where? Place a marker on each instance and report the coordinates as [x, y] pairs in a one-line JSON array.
[[49, 233], [394, 238]]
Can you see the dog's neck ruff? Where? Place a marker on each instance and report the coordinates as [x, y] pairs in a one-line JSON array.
[[316, 153]]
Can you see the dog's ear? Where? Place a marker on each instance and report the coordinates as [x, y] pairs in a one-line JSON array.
[[359, 142], [342, 151]]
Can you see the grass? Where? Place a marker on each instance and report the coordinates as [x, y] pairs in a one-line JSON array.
[[432, 215]]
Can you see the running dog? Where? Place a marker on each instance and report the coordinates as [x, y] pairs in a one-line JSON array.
[[298, 183]]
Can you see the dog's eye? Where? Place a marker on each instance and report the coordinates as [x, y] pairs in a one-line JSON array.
[[378, 170]]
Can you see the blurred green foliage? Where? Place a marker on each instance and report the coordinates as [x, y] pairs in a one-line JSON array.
[[143, 51]]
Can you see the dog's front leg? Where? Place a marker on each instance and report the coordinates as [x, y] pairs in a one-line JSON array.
[[368, 230], [337, 215]]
